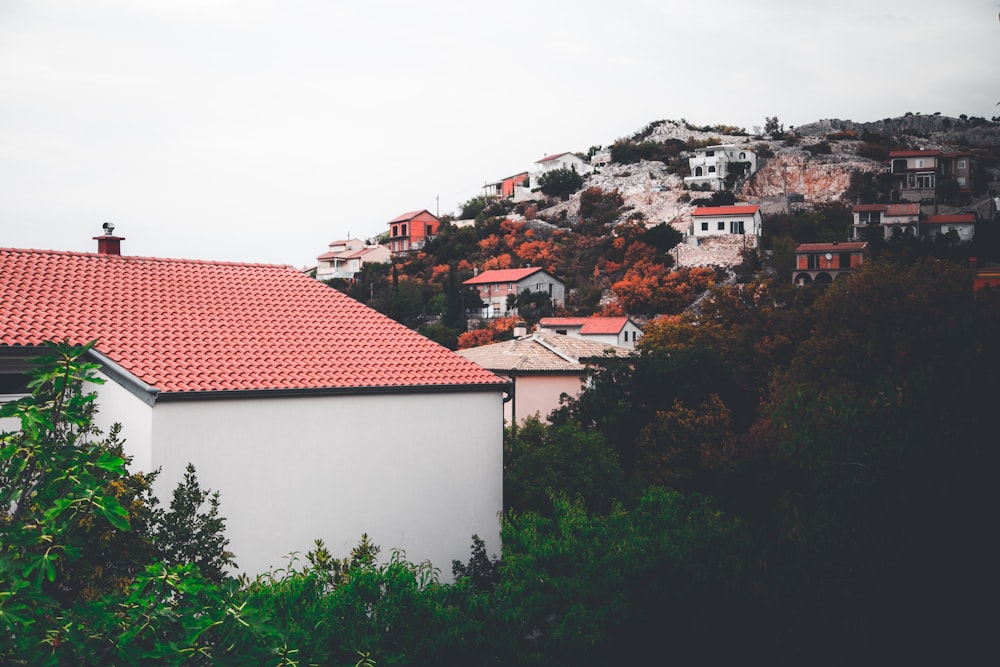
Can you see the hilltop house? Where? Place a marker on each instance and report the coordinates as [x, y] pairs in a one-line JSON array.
[[963, 224], [496, 285], [712, 165], [569, 161], [886, 219], [541, 367], [313, 415], [409, 231], [718, 220], [620, 331], [919, 173], [825, 262], [345, 258], [508, 187]]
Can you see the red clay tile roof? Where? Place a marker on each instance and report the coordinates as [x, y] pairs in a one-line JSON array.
[[550, 157], [411, 215], [958, 218], [191, 326], [588, 325], [894, 210], [868, 207], [725, 210], [928, 153], [502, 276], [832, 247]]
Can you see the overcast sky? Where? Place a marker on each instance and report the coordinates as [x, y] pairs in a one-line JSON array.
[[262, 130]]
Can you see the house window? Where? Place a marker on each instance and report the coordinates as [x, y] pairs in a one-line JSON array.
[[395, 230], [961, 164], [721, 226], [736, 227], [561, 331], [709, 153], [704, 226], [711, 170], [510, 287], [925, 180], [697, 171], [920, 163], [403, 227], [743, 156], [845, 260]]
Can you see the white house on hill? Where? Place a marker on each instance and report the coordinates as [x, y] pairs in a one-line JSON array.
[[313, 415]]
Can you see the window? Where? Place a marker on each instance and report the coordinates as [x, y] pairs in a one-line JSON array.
[[697, 171], [925, 180], [743, 156], [845, 260], [709, 153], [395, 230], [561, 331], [961, 164], [510, 287], [704, 226], [711, 170], [403, 229], [721, 226], [736, 227]]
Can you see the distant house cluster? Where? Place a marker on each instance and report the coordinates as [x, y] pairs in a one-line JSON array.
[[345, 258]]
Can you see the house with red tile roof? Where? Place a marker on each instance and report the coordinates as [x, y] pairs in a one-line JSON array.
[[825, 262], [886, 220], [918, 174], [542, 368], [963, 224], [719, 220], [497, 284], [313, 415], [410, 231], [620, 331], [570, 161], [344, 259]]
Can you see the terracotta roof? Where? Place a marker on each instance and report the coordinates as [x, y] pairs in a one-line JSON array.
[[502, 276], [832, 247], [547, 158], [860, 208], [541, 352], [896, 210], [193, 326], [928, 153], [588, 325], [725, 210], [411, 215], [958, 218]]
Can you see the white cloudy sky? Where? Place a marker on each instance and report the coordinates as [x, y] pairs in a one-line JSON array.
[[261, 130]]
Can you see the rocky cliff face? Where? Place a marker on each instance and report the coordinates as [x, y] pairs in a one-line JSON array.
[[797, 172]]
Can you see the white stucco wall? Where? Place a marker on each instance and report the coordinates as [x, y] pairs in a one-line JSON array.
[[116, 404], [418, 472]]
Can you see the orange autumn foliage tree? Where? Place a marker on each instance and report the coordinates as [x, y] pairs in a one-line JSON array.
[[495, 331]]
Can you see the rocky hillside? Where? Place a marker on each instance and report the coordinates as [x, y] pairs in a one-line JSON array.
[[810, 164]]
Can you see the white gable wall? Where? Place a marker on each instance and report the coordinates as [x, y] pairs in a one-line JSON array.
[[293, 469]]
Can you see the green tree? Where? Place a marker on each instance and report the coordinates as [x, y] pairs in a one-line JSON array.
[[560, 183], [185, 534]]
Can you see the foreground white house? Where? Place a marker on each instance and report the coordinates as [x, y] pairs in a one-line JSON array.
[[313, 415]]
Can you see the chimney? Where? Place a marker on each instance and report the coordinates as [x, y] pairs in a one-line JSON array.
[[108, 243], [520, 329]]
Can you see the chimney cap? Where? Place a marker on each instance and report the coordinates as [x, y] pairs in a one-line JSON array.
[[109, 228]]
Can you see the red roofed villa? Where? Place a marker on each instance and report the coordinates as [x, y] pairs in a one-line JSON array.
[[620, 331], [497, 284], [313, 415], [825, 262]]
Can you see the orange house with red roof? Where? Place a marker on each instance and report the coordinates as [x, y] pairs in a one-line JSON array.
[[409, 231], [313, 415], [497, 284]]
